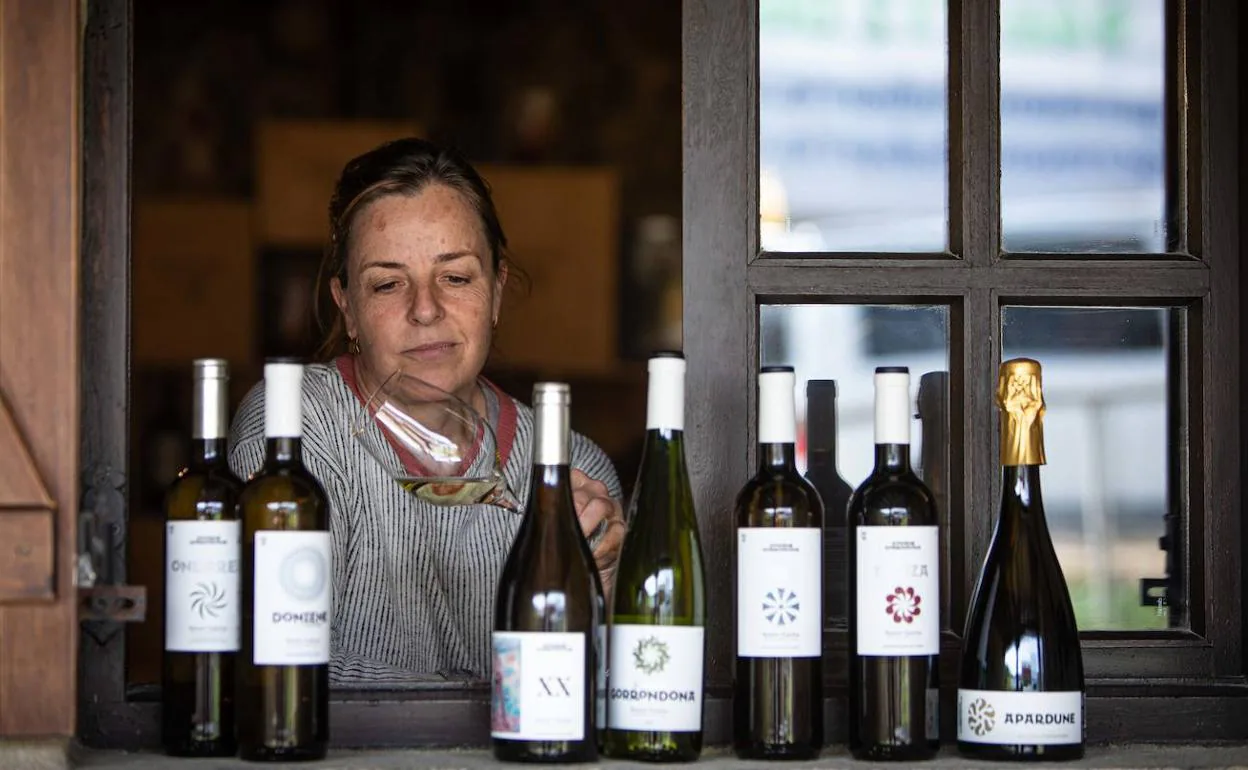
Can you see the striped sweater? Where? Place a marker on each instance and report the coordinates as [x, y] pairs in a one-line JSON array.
[[413, 583]]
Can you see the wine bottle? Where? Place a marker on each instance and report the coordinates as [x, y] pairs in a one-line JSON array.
[[834, 491], [202, 582], [1021, 688], [287, 573], [778, 692], [894, 590], [934, 470], [547, 613], [659, 614]]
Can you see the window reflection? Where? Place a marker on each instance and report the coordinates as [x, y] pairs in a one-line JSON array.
[[1107, 496], [845, 343], [1021, 660], [1082, 125], [853, 125]]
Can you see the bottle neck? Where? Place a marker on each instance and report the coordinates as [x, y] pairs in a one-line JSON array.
[[547, 478], [550, 503], [552, 435], [208, 451], [664, 456], [283, 450], [208, 418], [773, 457], [1022, 505], [550, 507], [892, 458], [821, 431], [665, 444]]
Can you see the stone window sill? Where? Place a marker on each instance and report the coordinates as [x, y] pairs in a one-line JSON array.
[[1110, 756]]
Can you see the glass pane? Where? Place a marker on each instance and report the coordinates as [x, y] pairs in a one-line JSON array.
[[1082, 126], [844, 343], [1108, 392], [853, 125]]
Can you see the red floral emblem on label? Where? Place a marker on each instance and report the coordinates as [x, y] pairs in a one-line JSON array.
[[903, 605]]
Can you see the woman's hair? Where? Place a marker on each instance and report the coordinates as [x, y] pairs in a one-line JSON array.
[[400, 167]]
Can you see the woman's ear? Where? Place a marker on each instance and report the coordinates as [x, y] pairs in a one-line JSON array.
[[339, 293]]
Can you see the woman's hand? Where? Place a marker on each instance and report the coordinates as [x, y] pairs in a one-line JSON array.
[[596, 508]]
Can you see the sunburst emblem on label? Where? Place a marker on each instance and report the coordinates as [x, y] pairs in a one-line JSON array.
[[208, 600], [781, 606], [302, 574], [981, 717], [650, 656]]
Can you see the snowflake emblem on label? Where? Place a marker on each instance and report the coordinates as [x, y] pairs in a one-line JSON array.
[[207, 600], [981, 717], [781, 606], [650, 655], [903, 605]]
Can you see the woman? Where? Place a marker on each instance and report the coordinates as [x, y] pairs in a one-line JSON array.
[[416, 267]]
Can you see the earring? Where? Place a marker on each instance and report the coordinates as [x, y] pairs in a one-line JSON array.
[[353, 346]]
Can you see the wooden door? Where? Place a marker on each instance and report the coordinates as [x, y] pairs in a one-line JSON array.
[[39, 376]]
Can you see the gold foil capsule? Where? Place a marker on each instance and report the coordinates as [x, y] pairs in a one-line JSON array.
[[1020, 397]]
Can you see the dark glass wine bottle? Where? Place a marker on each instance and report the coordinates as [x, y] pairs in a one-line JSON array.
[[834, 490], [659, 613], [287, 573], [547, 614], [778, 693], [202, 582], [934, 470], [1021, 688], [894, 590]]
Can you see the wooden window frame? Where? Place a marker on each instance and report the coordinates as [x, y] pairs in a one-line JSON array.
[[1159, 686]]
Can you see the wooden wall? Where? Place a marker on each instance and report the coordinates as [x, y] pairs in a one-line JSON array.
[[39, 211]]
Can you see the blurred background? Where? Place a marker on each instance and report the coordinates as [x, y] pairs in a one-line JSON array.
[[245, 112]]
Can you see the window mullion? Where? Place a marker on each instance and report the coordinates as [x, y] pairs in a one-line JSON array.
[[974, 131]]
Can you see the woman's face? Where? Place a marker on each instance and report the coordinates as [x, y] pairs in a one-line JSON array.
[[421, 290]]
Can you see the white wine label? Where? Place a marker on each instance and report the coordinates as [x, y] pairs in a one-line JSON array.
[[656, 678], [779, 592], [292, 598], [1020, 718], [539, 686], [201, 586], [898, 592]]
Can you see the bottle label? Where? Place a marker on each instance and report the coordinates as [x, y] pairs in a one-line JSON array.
[[292, 598], [898, 592], [538, 691], [656, 678], [779, 592], [1020, 718], [201, 586]]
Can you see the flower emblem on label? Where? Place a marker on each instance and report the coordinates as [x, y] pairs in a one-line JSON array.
[[303, 573], [781, 606], [981, 717], [208, 600], [650, 656], [903, 605]]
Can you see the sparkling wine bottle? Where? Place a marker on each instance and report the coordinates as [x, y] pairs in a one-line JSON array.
[[1021, 688]]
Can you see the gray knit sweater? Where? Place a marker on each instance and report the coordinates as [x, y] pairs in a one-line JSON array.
[[414, 584]]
